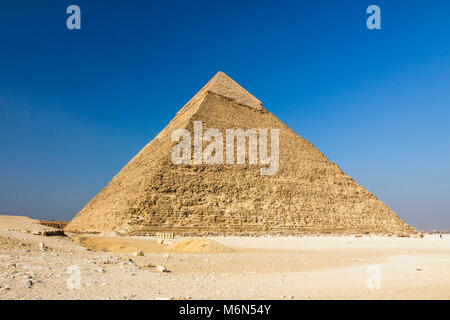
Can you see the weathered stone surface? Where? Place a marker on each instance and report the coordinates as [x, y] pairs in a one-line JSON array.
[[308, 194]]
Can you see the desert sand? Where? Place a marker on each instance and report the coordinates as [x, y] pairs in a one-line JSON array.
[[33, 266]]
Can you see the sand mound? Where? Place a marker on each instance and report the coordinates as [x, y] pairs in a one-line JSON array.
[[129, 245], [25, 224], [119, 244], [199, 245]]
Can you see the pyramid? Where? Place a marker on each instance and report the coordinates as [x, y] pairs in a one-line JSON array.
[[308, 193]]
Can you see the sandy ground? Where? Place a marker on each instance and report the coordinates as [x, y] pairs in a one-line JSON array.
[[345, 267]]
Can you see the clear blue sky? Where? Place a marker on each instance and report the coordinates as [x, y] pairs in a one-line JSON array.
[[76, 106]]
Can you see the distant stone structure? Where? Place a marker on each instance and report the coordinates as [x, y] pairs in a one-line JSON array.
[[308, 194]]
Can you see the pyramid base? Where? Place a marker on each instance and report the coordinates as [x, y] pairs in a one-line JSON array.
[[258, 231]]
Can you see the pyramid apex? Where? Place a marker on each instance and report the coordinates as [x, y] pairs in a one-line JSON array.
[[222, 84]]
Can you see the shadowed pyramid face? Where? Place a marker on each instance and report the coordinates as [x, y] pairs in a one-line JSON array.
[[213, 170]]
